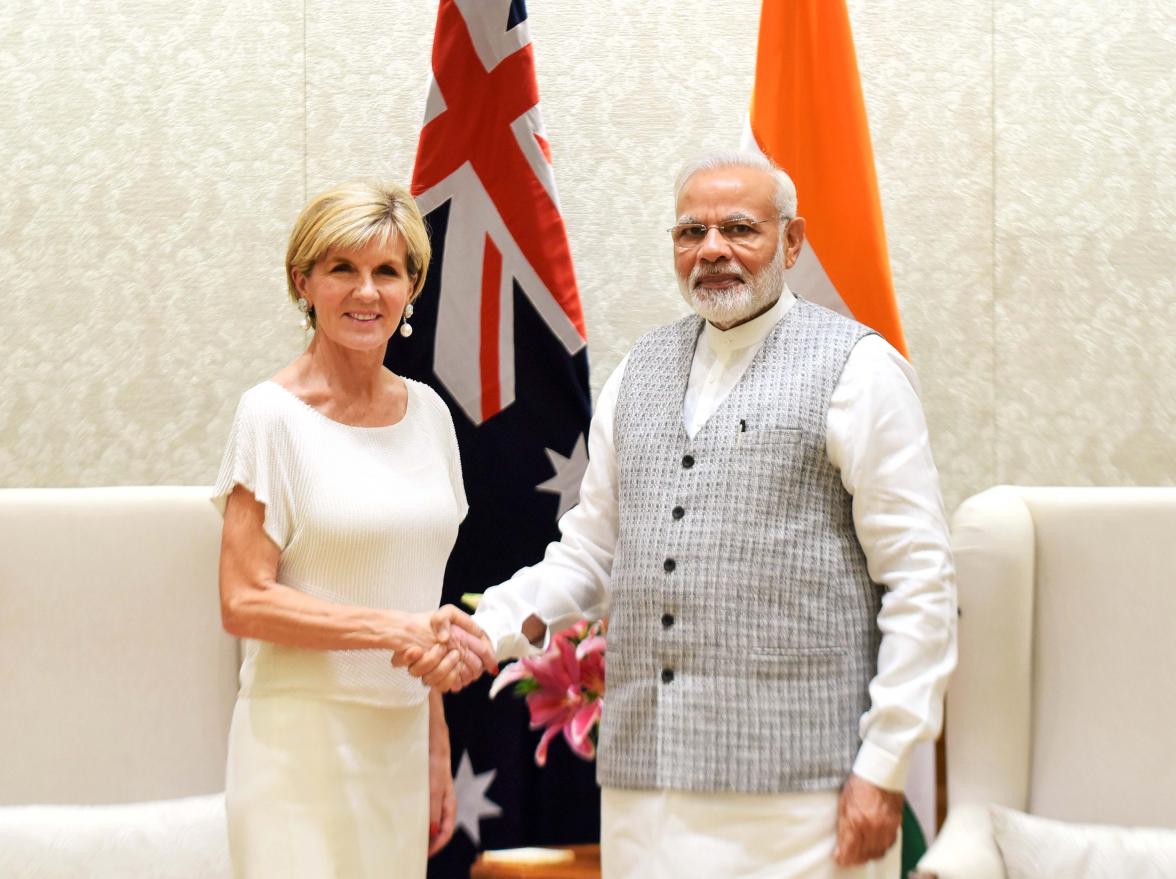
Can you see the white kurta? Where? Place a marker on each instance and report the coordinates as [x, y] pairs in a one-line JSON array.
[[876, 437], [677, 835]]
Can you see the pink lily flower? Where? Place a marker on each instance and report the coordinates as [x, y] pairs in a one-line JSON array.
[[510, 674], [564, 689]]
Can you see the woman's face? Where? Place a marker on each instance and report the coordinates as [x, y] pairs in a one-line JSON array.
[[358, 295]]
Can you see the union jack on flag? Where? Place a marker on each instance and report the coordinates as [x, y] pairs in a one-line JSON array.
[[499, 334], [483, 150]]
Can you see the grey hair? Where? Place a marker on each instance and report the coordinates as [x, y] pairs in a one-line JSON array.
[[785, 188]]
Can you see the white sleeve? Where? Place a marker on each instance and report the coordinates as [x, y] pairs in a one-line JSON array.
[[251, 461], [571, 582], [877, 438], [445, 419]]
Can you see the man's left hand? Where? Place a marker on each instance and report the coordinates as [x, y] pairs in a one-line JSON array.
[[868, 818]]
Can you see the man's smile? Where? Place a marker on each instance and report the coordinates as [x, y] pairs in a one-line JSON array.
[[719, 281]]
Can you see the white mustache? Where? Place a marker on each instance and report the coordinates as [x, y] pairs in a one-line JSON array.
[[726, 267]]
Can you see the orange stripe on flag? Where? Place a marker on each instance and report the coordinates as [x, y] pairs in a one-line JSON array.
[[808, 116]]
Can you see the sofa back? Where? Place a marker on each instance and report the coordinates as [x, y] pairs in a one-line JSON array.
[[1064, 703], [119, 681]]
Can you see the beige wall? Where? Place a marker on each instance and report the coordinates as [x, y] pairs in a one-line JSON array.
[[154, 156]]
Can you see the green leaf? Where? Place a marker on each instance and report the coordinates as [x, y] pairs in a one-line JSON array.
[[526, 686]]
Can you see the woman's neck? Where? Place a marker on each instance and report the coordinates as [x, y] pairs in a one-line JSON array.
[[345, 373]]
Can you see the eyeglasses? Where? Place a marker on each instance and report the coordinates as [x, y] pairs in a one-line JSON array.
[[688, 236]]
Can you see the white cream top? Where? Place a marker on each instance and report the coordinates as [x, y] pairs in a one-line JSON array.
[[362, 516]]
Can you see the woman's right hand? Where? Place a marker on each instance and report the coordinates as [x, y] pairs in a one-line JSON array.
[[445, 649], [422, 646], [477, 652]]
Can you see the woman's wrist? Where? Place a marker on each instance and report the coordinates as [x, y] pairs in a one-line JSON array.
[[392, 625], [398, 628]]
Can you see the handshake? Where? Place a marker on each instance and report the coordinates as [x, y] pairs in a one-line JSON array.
[[446, 649]]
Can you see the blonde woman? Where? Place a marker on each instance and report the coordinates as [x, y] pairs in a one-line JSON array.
[[342, 494]]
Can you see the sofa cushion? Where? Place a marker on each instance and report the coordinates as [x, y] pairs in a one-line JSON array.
[[168, 839], [1034, 847]]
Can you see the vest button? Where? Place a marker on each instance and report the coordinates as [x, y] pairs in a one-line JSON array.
[[669, 565], [677, 512], [687, 461], [667, 620], [667, 675]]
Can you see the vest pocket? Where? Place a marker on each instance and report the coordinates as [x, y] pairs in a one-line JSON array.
[[782, 655], [809, 699], [772, 436], [800, 665], [760, 465]]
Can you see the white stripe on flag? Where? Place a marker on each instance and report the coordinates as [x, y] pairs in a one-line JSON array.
[[807, 277]]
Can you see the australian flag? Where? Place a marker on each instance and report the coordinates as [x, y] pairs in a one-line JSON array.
[[499, 333]]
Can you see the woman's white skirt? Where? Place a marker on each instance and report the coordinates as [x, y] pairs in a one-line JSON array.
[[322, 788]]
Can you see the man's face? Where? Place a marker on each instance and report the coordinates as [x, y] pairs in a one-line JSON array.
[[729, 194], [729, 279]]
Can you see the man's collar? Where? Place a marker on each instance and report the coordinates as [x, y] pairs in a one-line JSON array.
[[726, 343]]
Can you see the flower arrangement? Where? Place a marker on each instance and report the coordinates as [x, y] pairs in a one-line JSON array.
[[564, 688]]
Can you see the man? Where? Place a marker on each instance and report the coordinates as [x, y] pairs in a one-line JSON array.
[[761, 521]]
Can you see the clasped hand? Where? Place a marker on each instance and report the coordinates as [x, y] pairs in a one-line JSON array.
[[446, 649]]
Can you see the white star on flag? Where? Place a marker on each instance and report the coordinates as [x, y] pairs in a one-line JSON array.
[[568, 473], [472, 803]]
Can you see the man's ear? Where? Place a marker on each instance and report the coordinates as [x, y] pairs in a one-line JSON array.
[[793, 239]]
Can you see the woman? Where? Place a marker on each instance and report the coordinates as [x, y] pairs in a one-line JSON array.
[[341, 492]]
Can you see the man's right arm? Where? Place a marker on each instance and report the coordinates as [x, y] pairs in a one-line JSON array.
[[571, 582]]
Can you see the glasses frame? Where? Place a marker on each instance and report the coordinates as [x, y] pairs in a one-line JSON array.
[[707, 227]]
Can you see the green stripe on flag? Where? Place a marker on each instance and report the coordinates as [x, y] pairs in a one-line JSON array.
[[914, 844]]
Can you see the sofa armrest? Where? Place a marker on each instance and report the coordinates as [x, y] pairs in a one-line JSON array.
[[965, 847]]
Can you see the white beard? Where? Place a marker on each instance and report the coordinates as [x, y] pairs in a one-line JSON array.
[[734, 305]]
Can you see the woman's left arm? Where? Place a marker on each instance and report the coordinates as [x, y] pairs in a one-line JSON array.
[[442, 800]]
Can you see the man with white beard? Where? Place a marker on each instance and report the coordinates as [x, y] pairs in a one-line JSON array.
[[760, 520]]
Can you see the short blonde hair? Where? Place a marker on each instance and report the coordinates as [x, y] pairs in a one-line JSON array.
[[351, 216]]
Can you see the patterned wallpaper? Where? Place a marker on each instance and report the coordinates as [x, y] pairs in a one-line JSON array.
[[152, 157], [155, 157]]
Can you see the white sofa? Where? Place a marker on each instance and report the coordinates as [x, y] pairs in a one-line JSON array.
[[1063, 704], [119, 683]]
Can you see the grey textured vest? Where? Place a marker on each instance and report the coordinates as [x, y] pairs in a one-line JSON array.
[[742, 622]]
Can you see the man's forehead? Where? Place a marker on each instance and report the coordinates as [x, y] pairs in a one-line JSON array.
[[727, 193]]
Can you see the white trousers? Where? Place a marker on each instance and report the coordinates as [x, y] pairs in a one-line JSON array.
[[317, 788], [678, 835]]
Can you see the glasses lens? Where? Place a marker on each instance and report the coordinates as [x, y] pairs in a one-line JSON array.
[[737, 231], [688, 234]]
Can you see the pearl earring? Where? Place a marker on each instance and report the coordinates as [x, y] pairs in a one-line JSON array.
[[405, 328], [307, 313]]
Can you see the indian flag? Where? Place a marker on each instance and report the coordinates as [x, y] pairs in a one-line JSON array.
[[807, 115]]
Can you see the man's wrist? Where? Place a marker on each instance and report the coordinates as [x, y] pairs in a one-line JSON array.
[[880, 767], [506, 641], [535, 631]]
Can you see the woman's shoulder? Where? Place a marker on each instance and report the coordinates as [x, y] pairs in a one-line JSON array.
[[433, 415], [427, 399], [263, 397], [266, 405]]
